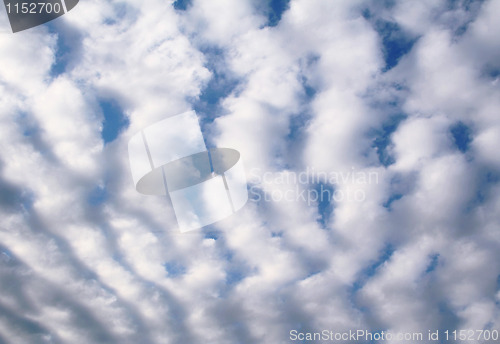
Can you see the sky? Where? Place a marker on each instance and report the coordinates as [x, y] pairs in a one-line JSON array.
[[369, 133]]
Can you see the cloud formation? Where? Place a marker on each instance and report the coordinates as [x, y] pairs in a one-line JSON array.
[[407, 91]]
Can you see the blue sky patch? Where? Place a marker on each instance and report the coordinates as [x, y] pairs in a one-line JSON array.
[[370, 271], [448, 320], [211, 233], [491, 72], [98, 195], [385, 255], [234, 275], [382, 139], [462, 136], [68, 47], [325, 204], [433, 264], [12, 195], [391, 199], [115, 121], [297, 127], [182, 5], [220, 86], [486, 179], [395, 42], [174, 269], [276, 10], [494, 73]]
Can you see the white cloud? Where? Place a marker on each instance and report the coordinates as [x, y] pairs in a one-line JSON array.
[[420, 248]]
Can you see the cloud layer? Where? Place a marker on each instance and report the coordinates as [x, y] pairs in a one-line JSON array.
[[407, 92]]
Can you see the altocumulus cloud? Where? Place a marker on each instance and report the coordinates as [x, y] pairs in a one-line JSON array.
[[406, 90]]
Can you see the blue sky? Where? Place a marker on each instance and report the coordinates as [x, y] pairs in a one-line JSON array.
[[316, 96]]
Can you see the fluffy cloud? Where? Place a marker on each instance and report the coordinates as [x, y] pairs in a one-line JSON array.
[[84, 257]]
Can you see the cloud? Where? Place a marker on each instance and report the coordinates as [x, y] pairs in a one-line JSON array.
[[84, 257]]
